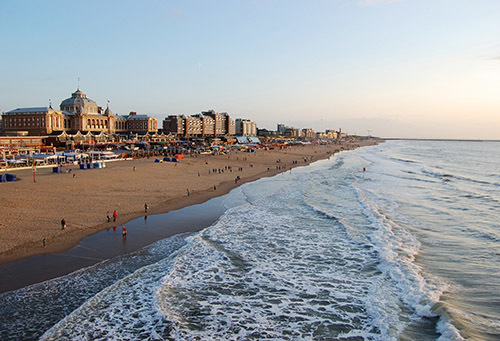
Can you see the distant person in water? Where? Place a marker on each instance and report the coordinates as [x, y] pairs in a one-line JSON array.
[[124, 230]]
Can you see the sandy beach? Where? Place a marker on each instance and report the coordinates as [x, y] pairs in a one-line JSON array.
[[33, 211]]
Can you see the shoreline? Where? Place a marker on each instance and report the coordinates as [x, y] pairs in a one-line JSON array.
[[255, 166]]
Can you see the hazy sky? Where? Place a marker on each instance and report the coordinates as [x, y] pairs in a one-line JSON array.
[[409, 68]]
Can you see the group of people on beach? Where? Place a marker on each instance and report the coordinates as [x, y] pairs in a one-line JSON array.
[[227, 168], [221, 170], [108, 216]]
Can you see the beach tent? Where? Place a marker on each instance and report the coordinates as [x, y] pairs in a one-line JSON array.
[[70, 156], [18, 162], [179, 156], [44, 158], [10, 177]]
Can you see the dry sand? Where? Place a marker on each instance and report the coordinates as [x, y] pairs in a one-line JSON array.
[[32, 211]]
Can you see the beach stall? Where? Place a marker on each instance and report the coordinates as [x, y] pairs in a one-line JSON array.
[[44, 159], [70, 157], [103, 155], [18, 162]]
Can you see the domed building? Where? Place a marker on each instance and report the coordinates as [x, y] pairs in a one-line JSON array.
[[78, 103], [78, 113]]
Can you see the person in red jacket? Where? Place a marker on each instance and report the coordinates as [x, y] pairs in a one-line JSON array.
[[115, 215]]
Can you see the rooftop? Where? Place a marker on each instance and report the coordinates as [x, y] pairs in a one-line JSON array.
[[29, 110]]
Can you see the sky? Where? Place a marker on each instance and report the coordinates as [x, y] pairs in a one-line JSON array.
[[388, 68]]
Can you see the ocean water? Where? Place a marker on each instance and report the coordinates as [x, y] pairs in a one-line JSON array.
[[408, 250]]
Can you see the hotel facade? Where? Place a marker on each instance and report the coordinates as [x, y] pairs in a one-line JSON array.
[[77, 113], [206, 124]]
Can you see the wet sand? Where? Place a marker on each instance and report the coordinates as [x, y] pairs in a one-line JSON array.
[[109, 243], [32, 211]]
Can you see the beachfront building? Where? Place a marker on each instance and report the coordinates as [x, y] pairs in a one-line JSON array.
[[280, 129], [193, 126], [330, 134], [231, 126], [286, 131], [245, 127], [77, 113], [136, 123], [308, 134], [35, 121], [20, 142], [206, 124], [174, 124], [292, 132], [222, 121]]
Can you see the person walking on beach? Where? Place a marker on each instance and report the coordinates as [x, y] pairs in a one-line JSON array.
[[146, 208], [115, 215], [44, 242], [108, 216], [63, 224]]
